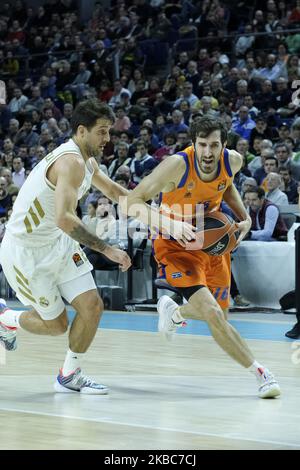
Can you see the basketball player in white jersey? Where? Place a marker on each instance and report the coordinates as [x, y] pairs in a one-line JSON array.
[[41, 255]]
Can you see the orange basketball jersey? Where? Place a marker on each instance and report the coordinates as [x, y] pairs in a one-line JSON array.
[[182, 268]]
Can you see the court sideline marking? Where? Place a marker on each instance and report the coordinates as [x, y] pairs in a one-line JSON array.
[[146, 426]]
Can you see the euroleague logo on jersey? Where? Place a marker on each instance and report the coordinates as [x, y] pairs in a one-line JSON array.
[[77, 259], [190, 187]]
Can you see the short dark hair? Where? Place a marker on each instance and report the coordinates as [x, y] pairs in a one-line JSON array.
[[88, 111], [141, 142], [285, 168], [124, 178], [259, 191], [17, 157], [272, 158], [147, 128], [205, 126], [281, 144]]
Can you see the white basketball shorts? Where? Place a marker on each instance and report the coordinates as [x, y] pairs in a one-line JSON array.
[[41, 276]]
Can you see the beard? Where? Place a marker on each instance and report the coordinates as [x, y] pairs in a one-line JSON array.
[[207, 168], [92, 151]]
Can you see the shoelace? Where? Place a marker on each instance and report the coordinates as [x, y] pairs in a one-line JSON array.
[[267, 377], [83, 381]]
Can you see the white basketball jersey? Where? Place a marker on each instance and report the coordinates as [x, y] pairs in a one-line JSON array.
[[33, 218]]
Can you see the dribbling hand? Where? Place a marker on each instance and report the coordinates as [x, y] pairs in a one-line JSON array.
[[182, 232], [118, 256], [244, 228]]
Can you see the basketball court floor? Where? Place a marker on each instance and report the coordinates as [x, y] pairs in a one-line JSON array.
[[186, 394]]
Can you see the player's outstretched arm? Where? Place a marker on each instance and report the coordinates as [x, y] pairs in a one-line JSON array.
[[107, 186], [165, 177], [70, 174]]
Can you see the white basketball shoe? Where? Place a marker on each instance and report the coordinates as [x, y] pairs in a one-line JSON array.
[[166, 307], [268, 385], [76, 382], [8, 334]]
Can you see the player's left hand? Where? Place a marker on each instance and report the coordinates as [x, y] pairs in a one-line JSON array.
[[244, 228]]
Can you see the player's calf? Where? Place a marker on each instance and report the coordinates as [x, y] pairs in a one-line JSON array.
[[57, 328]]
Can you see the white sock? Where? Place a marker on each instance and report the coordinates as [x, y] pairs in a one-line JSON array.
[[11, 318], [177, 317], [71, 362], [256, 368]]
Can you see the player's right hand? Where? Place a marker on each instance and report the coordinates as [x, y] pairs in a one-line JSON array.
[[183, 232], [118, 256]]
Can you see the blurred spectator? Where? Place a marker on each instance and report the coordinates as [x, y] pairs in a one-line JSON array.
[[259, 160], [244, 43], [26, 135], [248, 184], [36, 101], [273, 69], [5, 197], [123, 180], [142, 162], [274, 193], [122, 122], [187, 95], [177, 124], [261, 129], [242, 147], [18, 175], [270, 165], [13, 129], [11, 188], [282, 97], [91, 213], [284, 159], [168, 148], [48, 90], [243, 124], [122, 158], [289, 185], [264, 97], [232, 136], [149, 138], [68, 111], [118, 90], [17, 102], [249, 102], [80, 83], [267, 224]]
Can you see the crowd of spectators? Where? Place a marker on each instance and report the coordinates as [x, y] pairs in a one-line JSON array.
[[234, 60]]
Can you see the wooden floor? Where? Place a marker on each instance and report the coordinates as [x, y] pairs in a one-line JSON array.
[[186, 394]]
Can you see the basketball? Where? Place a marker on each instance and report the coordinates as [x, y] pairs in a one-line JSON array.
[[218, 236]]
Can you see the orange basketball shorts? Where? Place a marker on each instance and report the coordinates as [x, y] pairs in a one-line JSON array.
[[183, 268]]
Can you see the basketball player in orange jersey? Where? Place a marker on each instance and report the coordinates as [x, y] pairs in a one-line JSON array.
[[202, 173]]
